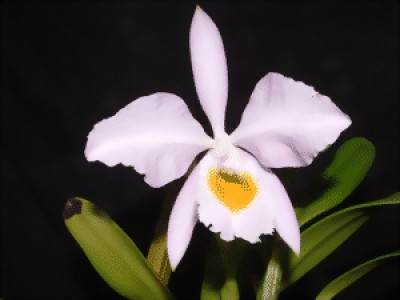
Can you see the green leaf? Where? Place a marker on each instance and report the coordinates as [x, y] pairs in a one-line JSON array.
[[346, 279], [350, 164], [322, 238], [111, 252], [271, 284]]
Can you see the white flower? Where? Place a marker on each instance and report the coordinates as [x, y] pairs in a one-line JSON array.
[[232, 190]]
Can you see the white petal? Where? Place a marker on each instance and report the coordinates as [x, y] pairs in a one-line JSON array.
[[286, 123], [155, 134], [209, 68], [286, 224], [183, 219], [258, 218]]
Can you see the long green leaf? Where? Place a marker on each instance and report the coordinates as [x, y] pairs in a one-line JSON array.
[[346, 279], [350, 164], [111, 252], [271, 284], [322, 238]]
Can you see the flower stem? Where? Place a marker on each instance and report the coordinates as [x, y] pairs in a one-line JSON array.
[[221, 272], [230, 256]]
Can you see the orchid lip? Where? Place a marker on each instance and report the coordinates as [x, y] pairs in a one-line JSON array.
[[234, 190]]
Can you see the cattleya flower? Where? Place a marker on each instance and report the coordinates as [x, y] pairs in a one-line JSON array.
[[232, 190]]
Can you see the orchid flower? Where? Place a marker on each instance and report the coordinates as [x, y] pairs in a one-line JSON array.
[[232, 190]]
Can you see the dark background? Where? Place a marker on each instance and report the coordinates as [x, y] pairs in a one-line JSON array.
[[65, 66]]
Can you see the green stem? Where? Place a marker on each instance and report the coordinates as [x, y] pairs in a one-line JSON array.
[[230, 256], [220, 278]]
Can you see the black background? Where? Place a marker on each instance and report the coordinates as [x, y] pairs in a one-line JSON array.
[[67, 65]]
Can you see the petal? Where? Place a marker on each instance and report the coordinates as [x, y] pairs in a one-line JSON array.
[[182, 220], [209, 68], [286, 224], [155, 134], [258, 218], [286, 123]]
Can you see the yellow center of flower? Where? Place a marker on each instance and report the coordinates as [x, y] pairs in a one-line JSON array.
[[235, 191]]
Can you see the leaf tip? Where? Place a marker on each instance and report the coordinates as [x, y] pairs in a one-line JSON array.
[[72, 207], [367, 144]]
